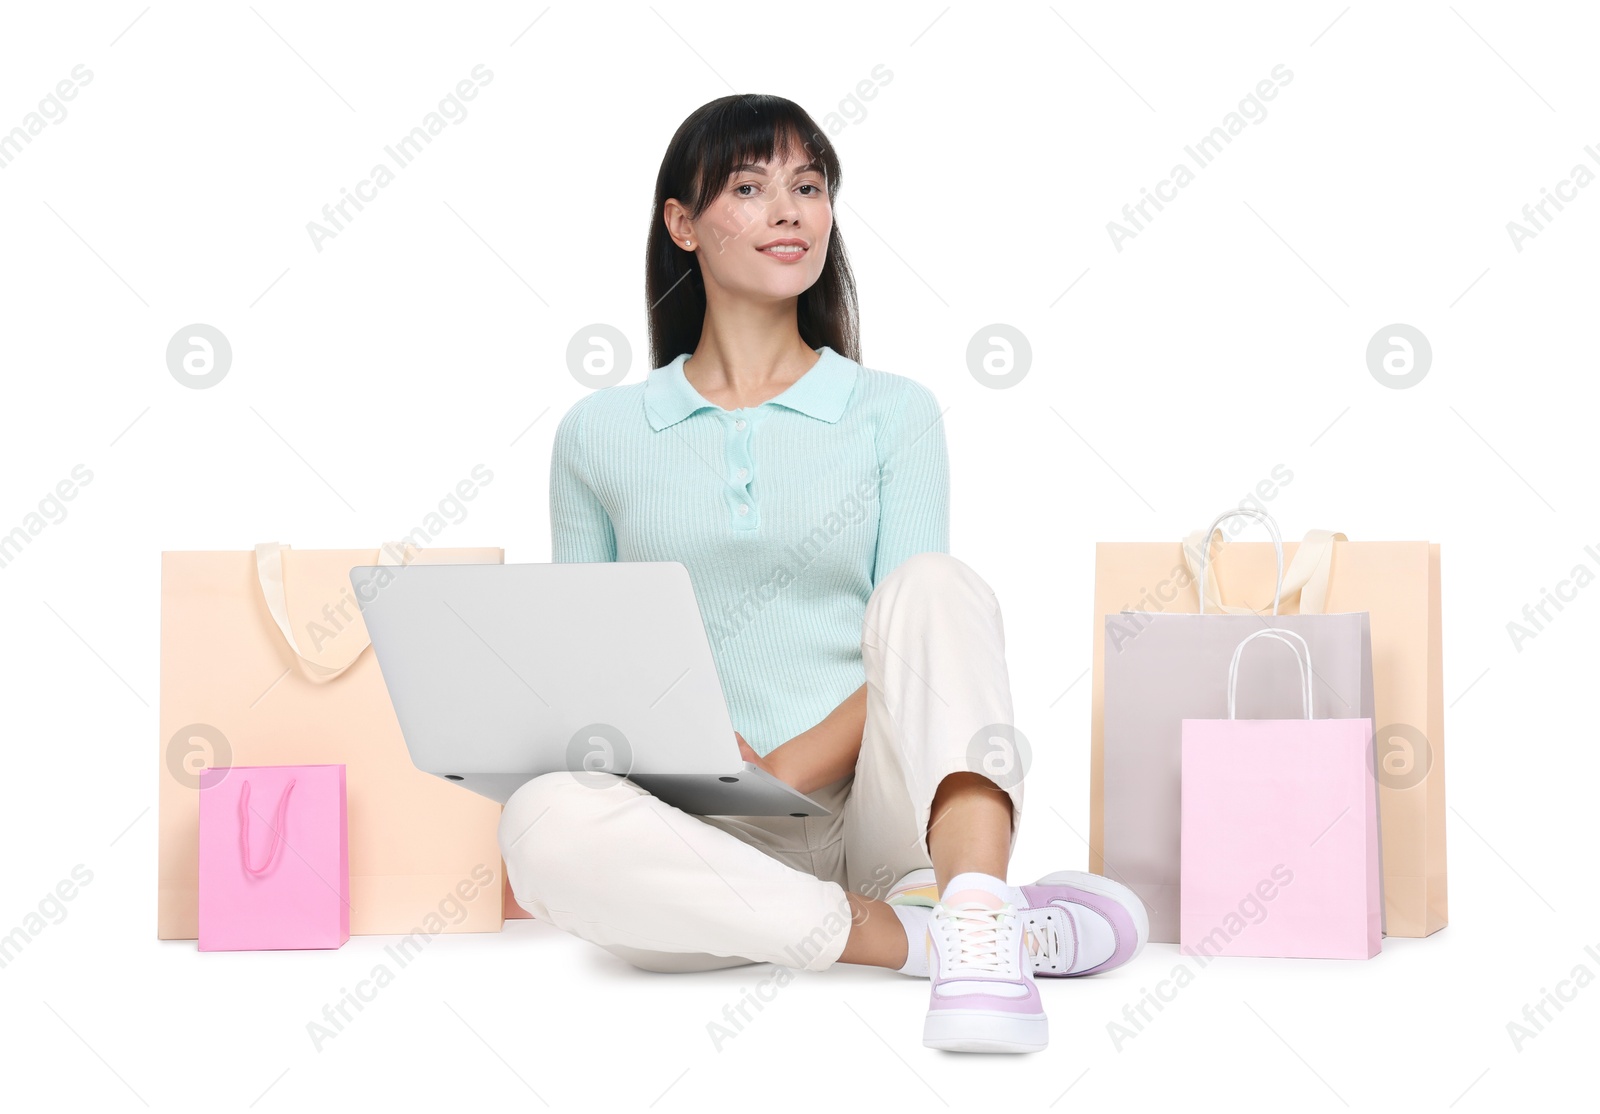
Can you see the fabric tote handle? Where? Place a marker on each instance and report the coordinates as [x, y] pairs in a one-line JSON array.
[[1306, 577], [1205, 555], [1302, 660], [269, 571], [277, 831]]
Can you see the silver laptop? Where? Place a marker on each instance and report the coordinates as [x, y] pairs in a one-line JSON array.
[[499, 673]]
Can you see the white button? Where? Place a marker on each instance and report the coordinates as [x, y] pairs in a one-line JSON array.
[[739, 424], [744, 508], [743, 472]]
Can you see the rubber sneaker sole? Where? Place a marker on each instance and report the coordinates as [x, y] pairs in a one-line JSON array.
[[985, 1031]]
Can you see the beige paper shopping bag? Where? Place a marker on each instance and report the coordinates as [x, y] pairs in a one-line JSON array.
[[1397, 584], [265, 661]]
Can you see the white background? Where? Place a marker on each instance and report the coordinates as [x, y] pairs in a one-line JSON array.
[[1168, 379]]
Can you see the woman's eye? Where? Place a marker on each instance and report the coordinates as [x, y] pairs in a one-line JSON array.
[[741, 187]]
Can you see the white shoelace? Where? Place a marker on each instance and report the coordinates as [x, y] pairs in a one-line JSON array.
[[985, 939], [1044, 937]]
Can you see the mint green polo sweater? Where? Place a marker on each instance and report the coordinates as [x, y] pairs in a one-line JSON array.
[[786, 515]]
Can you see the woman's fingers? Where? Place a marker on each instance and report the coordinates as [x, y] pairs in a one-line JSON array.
[[746, 751]]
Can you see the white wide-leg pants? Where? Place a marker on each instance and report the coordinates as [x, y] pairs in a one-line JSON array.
[[669, 891]]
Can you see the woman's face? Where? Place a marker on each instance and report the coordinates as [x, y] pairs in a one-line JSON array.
[[766, 235]]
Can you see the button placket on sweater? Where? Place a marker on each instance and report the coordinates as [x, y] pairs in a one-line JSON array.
[[743, 512]]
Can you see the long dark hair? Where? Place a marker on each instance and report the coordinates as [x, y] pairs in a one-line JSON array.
[[714, 139]]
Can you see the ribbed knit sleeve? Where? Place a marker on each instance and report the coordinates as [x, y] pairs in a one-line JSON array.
[[914, 507], [580, 528]]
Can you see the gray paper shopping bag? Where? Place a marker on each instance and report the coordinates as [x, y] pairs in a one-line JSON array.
[[1164, 667]]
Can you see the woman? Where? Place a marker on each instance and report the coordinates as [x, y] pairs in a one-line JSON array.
[[808, 497]]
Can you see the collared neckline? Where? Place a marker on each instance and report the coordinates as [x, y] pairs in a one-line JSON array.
[[821, 392]]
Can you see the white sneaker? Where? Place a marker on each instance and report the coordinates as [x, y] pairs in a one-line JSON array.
[[983, 997], [1073, 923]]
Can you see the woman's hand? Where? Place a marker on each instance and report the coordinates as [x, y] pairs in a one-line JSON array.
[[819, 756], [794, 762], [748, 753]]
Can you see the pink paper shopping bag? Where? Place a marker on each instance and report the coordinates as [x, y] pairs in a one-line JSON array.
[[1279, 844], [274, 858]]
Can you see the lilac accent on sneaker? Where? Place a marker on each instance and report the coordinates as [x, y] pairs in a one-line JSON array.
[[1028, 1003]]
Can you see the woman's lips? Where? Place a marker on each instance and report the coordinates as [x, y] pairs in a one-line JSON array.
[[786, 254]]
